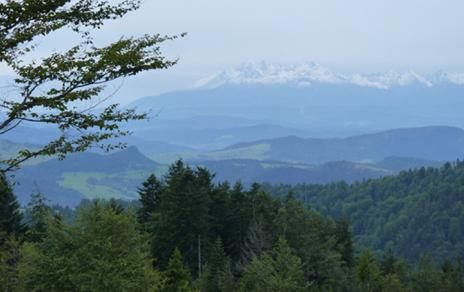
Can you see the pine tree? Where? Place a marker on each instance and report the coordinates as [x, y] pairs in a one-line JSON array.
[[10, 215], [368, 272], [281, 272], [102, 251], [149, 194], [345, 241], [116, 206], [40, 215], [238, 220], [216, 267], [10, 255], [388, 262], [177, 278], [256, 242], [313, 239], [182, 220]]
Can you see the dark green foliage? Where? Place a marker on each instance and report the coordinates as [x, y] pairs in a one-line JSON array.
[[149, 198], [183, 216], [313, 238], [51, 86], [388, 263], [283, 271], [10, 215], [115, 206], [216, 268], [177, 278], [368, 272], [256, 243], [39, 216], [345, 241], [10, 255], [415, 212], [103, 251], [272, 245]]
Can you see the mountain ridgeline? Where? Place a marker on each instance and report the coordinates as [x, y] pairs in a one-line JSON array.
[[431, 143], [312, 98], [288, 160]]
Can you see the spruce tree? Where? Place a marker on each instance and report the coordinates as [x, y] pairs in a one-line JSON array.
[[177, 278], [281, 272], [388, 263], [345, 241], [10, 214], [256, 242], [182, 220], [238, 219], [40, 214], [149, 194], [368, 272], [102, 251], [216, 267], [116, 206]]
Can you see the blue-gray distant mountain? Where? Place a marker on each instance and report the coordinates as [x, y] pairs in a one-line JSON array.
[[437, 143], [315, 100], [117, 175]]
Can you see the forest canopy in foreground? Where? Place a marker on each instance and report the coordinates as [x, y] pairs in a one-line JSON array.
[[412, 213], [188, 234]]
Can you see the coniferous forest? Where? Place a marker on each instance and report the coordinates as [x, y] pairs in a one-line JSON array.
[[188, 234]]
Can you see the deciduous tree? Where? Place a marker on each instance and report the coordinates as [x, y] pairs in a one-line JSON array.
[[63, 89]]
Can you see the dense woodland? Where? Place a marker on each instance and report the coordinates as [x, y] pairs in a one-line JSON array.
[[416, 212], [188, 234]]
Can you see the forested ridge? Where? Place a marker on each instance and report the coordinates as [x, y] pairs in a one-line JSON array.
[[188, 234], [415, 212]]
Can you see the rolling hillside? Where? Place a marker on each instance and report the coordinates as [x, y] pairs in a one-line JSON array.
[[117, 175], [86, 175], [438, 143]]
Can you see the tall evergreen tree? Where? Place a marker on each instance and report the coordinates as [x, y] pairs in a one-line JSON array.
[[216, 267], [368, 272], [10, 255], [182, 220], [10, 215], [345, 241], [102, 251], [116, 206], [149, 194], [388, 262], [177, 278], [281, 272], [313, 238], [257, 241], [239, 218], [40, 214]]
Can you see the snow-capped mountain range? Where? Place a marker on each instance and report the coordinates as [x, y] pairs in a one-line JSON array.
[[308, 73]]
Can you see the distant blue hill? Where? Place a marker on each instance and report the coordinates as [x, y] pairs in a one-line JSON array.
[[437, 143], [321, 108]]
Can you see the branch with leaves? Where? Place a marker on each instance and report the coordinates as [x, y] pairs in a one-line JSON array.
[[52, 89]]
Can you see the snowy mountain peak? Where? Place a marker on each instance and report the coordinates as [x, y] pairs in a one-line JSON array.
[[308, 73], [268, 73]]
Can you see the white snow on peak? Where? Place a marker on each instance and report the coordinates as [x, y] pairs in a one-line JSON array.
[[389, 79], [308, 73], [266, 73]]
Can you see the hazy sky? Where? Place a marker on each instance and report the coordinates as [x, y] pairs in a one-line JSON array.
[[371, 34], [346, 35]]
